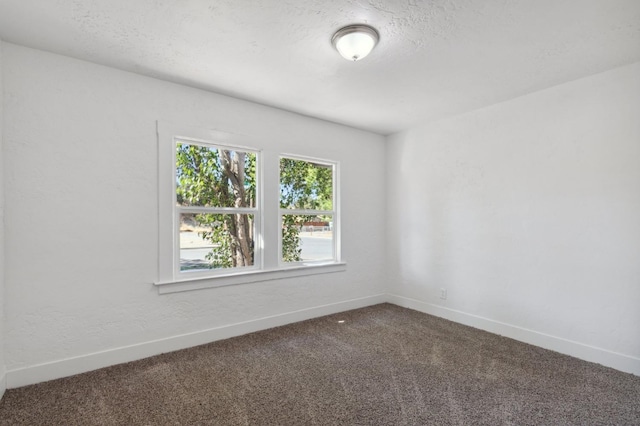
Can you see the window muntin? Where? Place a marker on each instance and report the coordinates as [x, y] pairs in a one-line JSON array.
[[307, 211], [216, 206]]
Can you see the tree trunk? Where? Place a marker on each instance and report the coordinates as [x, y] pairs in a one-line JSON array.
[[240, 224]]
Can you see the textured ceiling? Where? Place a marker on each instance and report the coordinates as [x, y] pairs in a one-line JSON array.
[[435, 58]]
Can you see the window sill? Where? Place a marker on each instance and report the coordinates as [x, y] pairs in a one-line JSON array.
[[175, 286]]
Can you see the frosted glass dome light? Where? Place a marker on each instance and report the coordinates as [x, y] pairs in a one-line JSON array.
[[354, 42]]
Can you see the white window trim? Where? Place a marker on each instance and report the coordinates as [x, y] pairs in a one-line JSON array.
[[238, 278], [267, 264]]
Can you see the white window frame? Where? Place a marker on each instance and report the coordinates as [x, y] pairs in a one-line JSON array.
[[314, 212], [267, 241]]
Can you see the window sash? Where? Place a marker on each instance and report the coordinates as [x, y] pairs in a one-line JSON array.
[[201, 273], [334, 213], [334, 258]]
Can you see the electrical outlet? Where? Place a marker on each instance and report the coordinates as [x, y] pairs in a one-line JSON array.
[[443, 293]]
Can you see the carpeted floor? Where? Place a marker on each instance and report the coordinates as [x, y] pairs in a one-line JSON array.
[[382, 365]]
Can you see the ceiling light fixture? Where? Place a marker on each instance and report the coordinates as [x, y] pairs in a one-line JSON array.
[[354, 42]]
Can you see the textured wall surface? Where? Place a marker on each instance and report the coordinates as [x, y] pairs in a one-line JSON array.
[[2, 303], [527, 212], [81, 218]]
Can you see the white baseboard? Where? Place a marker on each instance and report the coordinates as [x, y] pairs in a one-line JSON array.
[[3, 383], [81, 364], [626, 363]]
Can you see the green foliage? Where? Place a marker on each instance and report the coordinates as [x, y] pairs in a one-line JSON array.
[[205, 177], [291, 249], [220, 257], [305, 185]]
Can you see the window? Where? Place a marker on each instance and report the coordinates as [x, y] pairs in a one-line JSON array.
[[232, 213], [216, 208], [307, 214]]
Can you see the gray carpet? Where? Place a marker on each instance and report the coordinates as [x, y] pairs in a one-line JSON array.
[[384, 365]]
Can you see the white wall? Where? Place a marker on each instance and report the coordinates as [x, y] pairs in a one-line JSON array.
[[81, 217], [528, 214], [2, 363]]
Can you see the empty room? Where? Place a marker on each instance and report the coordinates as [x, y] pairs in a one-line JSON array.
[[358, 212]]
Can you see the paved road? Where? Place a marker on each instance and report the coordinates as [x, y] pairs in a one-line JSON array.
[[313, 248], [316, 248]]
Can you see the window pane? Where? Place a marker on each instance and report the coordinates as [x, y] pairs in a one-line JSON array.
[[212, 177], [305, 185], [307, 238], [212, 241]]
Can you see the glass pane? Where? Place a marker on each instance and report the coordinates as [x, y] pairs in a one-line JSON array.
[[307, 238], [305, 185], [207, 176], [212, 241]]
